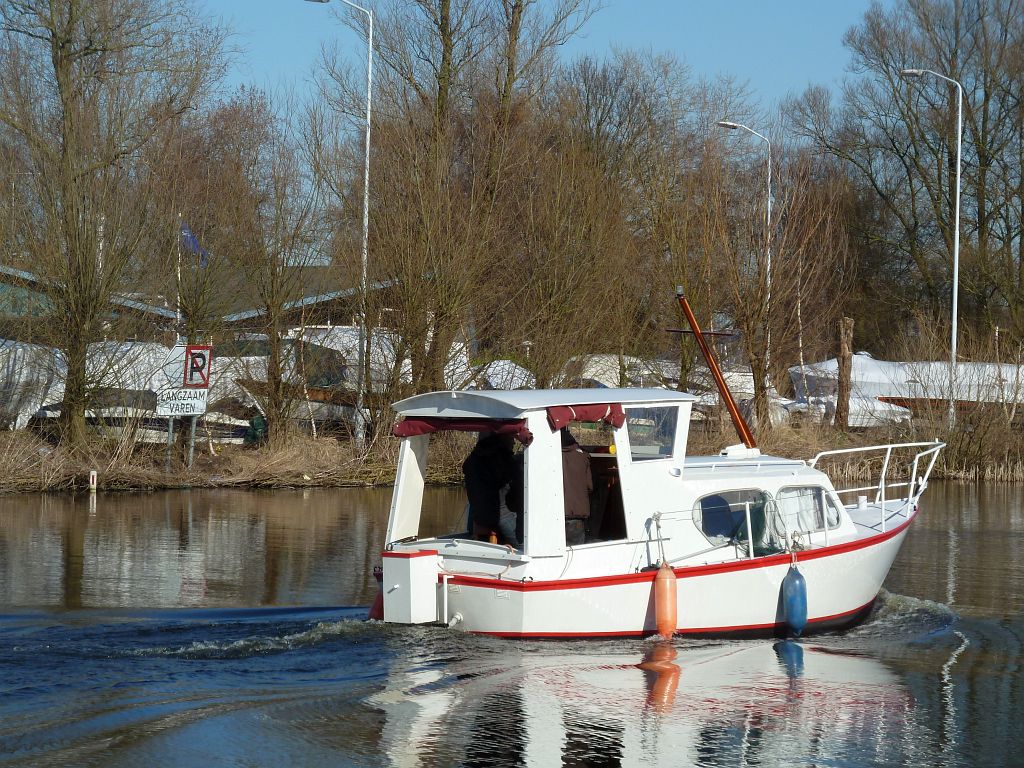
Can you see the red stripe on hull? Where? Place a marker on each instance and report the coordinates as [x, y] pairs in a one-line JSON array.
[[686, 572]]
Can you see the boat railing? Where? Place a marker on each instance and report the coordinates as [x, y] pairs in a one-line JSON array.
[[909, 473], [749, 465]]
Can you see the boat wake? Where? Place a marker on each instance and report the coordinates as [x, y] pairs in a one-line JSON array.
[[260, 645], [903, 617]]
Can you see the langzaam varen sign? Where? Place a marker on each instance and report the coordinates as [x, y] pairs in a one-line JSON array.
[[187, 371]]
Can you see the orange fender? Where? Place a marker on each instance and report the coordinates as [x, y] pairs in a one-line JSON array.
[[665, 601]]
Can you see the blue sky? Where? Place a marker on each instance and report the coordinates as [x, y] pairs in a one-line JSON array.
[[777, 46]]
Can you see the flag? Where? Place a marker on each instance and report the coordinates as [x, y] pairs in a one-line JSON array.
[[191, 242]]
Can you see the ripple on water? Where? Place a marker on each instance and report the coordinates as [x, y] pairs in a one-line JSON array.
[[901, 618], [259, 645]]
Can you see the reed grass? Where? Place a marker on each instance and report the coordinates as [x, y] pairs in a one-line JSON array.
[[984, 447], [30, 464]]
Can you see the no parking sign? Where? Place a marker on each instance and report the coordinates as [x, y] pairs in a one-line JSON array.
[[187, 371], [197, 366]]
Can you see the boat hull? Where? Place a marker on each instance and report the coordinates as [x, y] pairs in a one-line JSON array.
[[736, 598]]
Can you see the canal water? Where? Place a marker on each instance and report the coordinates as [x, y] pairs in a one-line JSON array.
[[228, 628]]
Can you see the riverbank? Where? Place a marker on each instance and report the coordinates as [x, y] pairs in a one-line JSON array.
[[33, 465], [30, 464]]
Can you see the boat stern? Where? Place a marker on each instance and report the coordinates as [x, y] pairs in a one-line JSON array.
[[410, 586]]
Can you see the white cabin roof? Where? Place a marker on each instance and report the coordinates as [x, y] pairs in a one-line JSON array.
[[510, 404]]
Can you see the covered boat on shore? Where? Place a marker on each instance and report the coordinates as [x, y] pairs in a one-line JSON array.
[[729, 528]]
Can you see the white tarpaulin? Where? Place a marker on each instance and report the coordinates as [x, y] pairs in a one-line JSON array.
[[385, 347], [30, 376], [870, 378], [134, 365], [602, 370], [502, 374], [345, 339], [864, 411]]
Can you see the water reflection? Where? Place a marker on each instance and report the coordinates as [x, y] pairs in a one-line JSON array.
[[933, 678], [318, 547], [224, 548], [964, 550], [663, 680], [729, 704], [197, 548]]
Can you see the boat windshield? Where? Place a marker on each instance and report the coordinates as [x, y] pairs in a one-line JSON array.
[[652, 431]]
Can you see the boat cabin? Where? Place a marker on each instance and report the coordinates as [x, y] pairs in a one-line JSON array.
[[706, 508], [636, 440]]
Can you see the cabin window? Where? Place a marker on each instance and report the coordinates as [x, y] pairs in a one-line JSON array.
[[722, 517], [652, 432], [607, 520], [808, 508], [445, 513]]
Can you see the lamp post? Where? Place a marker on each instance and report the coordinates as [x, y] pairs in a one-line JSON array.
[[360, 421], [916, 73], [768, 233]]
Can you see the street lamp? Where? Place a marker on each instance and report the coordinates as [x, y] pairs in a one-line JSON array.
[[360, 422], [768, 233], [916, 73]]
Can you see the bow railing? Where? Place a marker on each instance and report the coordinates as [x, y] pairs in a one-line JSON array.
[[900, 471]]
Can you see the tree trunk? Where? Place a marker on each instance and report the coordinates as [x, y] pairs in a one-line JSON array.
[[842, 420], [277, 426], [757, 355], [72, 411]]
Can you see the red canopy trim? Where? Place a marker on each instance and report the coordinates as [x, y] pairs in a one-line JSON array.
[[609, 413], [424, 425]]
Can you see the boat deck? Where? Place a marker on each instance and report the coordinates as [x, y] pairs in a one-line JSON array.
[[869, 519]]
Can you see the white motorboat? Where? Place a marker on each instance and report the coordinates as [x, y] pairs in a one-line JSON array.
[[651, 505], [738, 543]]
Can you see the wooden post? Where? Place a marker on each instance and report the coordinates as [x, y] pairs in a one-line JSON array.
[[192, 441], [842, 420], [170, 441]]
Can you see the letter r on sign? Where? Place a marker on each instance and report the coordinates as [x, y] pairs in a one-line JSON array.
[[197, 366]]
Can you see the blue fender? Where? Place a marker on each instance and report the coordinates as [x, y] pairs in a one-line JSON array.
[[791, 656], [794, 600]]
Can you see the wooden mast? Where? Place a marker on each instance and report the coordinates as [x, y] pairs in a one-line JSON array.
[[723, 389]]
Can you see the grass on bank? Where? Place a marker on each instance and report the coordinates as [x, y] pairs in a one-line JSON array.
[[985, 446]]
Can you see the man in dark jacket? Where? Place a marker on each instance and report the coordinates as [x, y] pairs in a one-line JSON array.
[[487, 470], [577, 483]]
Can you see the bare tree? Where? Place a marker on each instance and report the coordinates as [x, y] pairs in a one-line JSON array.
[[84, 87], [451, 79], [269, 228], [189, 170], [809, 250], [560, 283], [898, 139]]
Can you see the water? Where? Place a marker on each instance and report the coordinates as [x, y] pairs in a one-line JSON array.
[[227, 628]]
